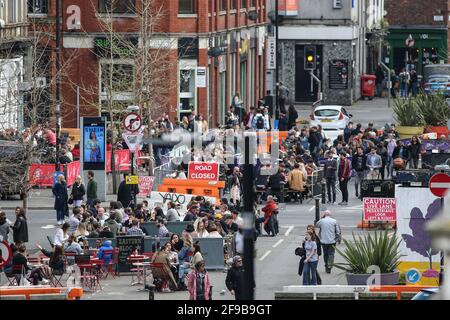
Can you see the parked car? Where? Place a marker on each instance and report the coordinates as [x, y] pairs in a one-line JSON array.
[[425, 294], [438, 84], [333, 120]]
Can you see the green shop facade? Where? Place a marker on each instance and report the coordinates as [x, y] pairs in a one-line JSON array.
[[427, 46]]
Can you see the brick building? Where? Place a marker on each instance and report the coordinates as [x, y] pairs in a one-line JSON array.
[[233, 32], [424, 24]]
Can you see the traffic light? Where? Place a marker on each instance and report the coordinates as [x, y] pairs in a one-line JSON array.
[[310, 58]]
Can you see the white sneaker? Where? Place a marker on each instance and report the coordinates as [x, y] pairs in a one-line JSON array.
[[45, 282]]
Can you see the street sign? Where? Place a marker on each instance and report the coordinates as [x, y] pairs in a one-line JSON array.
[[413, 276], [5, 253], [133, 141], [439, 184], [132, 122], [380, 209], [132, 180], [203, 171], [410, 41]]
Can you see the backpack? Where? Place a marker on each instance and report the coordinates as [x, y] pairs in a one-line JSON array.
[[260, 123]]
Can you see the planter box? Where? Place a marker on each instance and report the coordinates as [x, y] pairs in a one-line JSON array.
[[441, 130], [361, 279], [408, 132]]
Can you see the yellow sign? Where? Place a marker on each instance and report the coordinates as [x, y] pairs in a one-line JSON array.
[[132, 180]]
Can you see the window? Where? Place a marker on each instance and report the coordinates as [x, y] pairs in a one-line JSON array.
[[243, 4], [186, 6], [233, 4], [37, 6], [252, 3], [116, 6], [12, 11], [123, 79]]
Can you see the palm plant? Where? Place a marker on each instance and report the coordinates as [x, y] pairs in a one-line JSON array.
[[434, 109], [378, 250], [407, 113]]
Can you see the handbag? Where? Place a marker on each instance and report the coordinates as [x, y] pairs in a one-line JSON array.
[[300, 252]]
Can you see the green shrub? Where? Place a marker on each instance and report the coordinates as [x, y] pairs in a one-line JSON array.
[[407, 113]]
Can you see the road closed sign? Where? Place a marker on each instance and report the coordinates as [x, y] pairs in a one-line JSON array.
[[203, 171], [380, 209]]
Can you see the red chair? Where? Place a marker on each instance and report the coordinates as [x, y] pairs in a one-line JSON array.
[[90, 276], [112, 265]]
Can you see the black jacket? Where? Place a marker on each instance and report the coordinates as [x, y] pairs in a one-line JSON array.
[[124, 193], [235, 280], [355, 159], [293, 116], [78, 191], [330, 168], [20, 229], [414, 151], [20, 259], [60, 192], [276, 181], [314, 140], [396, 153]]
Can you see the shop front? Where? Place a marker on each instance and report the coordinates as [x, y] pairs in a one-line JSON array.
[[415, 48]]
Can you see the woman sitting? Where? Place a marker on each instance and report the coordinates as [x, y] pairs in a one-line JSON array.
[[163, 257]]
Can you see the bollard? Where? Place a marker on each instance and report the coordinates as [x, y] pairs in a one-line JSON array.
[[317, 210], [323, 191], [151, 291]]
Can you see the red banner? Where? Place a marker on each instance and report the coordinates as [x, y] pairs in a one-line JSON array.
[[145, 185], [122, 158], [380, 209], [73, 170], [42, 175], [203, 171]]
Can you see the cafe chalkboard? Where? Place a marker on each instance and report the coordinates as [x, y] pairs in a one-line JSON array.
[[338, 76], [126, 245]]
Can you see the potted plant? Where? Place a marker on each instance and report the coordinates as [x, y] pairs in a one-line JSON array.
[[371, 252], [435, 112], [409, 117]]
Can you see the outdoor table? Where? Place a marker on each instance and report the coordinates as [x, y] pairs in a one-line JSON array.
[[144, 266]]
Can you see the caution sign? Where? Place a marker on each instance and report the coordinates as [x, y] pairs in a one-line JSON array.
[[132, 180]]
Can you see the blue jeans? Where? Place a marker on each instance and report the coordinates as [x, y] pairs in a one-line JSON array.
[[389, 165], [59, 215], [310, 273], [403, 90]]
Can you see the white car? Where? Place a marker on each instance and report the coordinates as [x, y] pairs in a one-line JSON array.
[[333, 120]]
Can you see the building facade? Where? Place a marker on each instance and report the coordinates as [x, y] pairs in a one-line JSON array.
[[211, 49], [13, 49], [339, 31], [417, 33]]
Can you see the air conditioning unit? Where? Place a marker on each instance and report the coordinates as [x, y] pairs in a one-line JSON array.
[[337, 4]]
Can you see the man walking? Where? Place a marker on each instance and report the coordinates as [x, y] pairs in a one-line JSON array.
[[359, 165], [374, 163], [283, 96], [379, 81], [330, 235], [91, 192], [330, 175], [344, 176], [235, 278]]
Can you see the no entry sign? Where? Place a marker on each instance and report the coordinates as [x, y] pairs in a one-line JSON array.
[[439, 184], [380, 209], [5, 253], [203, 171]]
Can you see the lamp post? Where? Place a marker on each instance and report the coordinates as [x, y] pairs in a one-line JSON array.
[[277, 77], [58, 80]]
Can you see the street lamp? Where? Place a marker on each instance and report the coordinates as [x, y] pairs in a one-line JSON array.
[[58, 80]]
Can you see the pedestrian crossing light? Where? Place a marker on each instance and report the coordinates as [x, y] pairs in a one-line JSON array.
[[310, 58]]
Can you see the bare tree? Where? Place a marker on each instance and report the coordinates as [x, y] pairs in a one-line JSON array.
[[34, 105], [137, 68]]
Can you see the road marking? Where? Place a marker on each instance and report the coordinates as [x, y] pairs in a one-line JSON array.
[[278, 243], [312, 208], [49, 226], [265, 255], [289, 230]]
